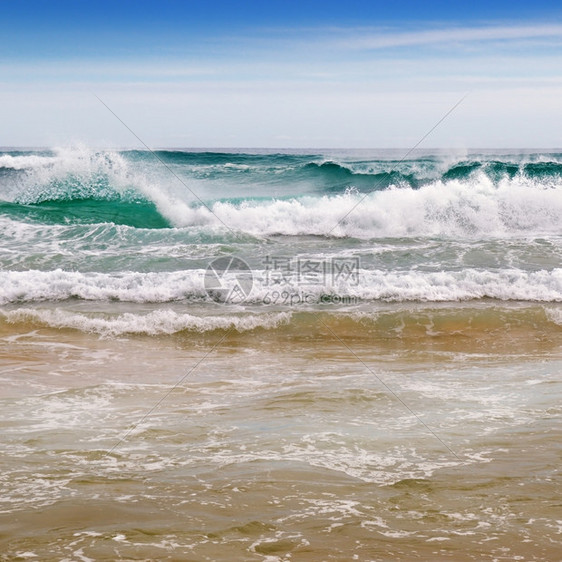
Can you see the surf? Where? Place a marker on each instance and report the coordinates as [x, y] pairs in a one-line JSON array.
[[286, 194]]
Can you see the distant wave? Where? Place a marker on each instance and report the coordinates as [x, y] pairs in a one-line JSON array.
[[337, 177], [497, 170], [24, 162], [79, 185], [367, 199]]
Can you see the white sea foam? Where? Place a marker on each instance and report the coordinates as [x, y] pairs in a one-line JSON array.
[[455, 208], [154, 323], [397, 286], [413, 285], [46, 175], [554, 315], [467, 284], [43, 172], [474, 206], [28, 286], [24, 162]]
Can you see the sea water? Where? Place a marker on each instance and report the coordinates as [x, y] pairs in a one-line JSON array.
[[280, 355]]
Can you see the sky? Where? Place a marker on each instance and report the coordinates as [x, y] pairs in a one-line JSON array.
[[281, 74]]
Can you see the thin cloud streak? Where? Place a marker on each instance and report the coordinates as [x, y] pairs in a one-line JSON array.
[[384, 40]]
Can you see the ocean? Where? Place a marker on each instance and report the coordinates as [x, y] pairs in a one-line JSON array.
[[280, 354]]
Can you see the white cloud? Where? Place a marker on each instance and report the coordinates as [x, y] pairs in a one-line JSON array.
[[384, 39], [303, 96]]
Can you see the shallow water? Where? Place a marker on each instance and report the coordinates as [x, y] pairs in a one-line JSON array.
[[177, 448]]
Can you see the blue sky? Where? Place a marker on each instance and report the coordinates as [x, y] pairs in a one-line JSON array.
[[281, 74]]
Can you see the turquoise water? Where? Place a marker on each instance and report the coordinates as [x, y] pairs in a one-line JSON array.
[[434, 227]]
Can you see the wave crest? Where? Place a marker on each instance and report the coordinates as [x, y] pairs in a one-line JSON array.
[[364, 200], [158, 322], [374, 285]]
